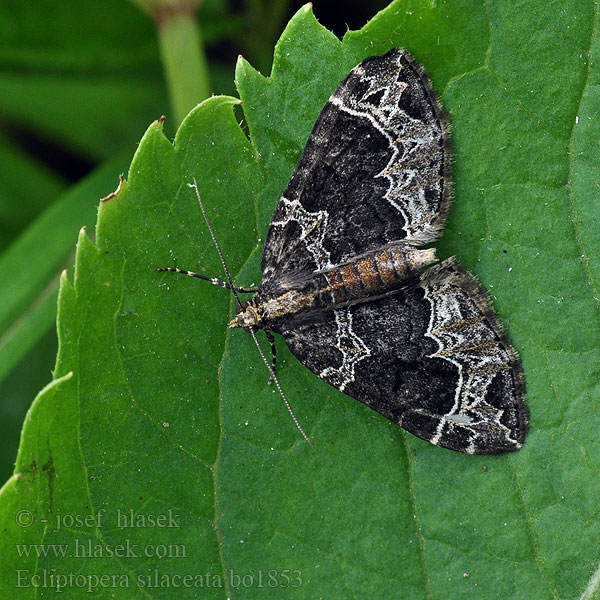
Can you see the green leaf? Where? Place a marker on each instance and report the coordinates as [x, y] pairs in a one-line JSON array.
[[32, 263], [86, 76], [168, 410], [82, 77], [26, 188]]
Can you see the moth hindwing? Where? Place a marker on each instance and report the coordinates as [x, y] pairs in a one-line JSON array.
[[347, 282]]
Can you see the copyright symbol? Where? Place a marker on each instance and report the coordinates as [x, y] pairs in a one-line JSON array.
[[24, 518]]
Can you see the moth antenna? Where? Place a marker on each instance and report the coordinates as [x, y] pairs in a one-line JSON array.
[[274, 378], [233, 289], [213, 280], [215, 242]]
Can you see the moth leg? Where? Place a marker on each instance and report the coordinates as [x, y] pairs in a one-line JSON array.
[[213, 280], [271, 341]]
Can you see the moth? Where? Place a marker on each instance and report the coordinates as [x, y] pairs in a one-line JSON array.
[[348, 284]]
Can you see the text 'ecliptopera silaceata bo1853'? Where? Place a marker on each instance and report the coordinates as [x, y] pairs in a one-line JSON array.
[[343, 278]]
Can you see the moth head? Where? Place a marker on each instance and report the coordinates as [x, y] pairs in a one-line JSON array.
[[247, 317]]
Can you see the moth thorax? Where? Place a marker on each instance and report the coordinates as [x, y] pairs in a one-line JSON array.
[[247, 317]]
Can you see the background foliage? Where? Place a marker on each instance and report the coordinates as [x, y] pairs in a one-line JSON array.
[[167, 410]]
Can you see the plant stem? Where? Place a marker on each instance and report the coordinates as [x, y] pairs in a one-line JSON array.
[[184, 61]]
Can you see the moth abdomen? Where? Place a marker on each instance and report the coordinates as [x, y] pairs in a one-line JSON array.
[[373, 274]]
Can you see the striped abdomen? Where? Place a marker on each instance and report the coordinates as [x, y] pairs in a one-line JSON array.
[[369, 275], [372, 274]]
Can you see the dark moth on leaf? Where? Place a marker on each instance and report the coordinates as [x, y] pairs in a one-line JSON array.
[[345, 277]]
